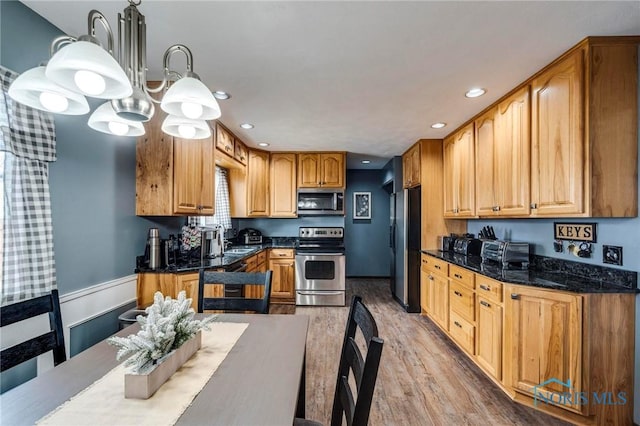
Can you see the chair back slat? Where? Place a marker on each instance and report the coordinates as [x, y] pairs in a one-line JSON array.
[[365, 370], [240, 304], [31, 348]]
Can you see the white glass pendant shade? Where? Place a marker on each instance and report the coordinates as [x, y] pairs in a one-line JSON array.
[[105, 120], [185, 98], [185, 128], [87, 68], [34, 89]]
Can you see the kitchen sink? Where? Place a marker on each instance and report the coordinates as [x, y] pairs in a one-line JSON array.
[[239, 250]]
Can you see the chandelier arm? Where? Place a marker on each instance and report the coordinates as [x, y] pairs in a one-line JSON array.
[[178, 48], [94, 16], [60, 41]]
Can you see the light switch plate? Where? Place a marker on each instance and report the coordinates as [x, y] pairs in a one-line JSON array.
[[612, 255]]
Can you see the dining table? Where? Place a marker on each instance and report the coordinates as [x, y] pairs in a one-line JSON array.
[[261, 381]]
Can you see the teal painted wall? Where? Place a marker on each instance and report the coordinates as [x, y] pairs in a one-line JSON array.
[[367, 241], [286, 227], [96, 234]]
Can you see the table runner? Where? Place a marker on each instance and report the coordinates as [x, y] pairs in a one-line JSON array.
[[103, 402]]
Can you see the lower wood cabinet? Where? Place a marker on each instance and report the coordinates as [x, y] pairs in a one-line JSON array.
[[282, 265], [568, 354], [169, 285]]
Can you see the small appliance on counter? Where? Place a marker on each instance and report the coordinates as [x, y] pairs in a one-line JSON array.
[[249, 236], [212, 242], [467, 245], [506, 253], [446, 242], [152, 250]]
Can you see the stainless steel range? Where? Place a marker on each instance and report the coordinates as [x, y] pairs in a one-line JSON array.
[[320, 267]]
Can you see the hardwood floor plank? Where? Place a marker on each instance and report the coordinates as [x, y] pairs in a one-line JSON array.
[[423, 378]]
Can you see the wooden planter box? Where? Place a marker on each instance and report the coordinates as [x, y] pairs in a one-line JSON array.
[[142, 386]]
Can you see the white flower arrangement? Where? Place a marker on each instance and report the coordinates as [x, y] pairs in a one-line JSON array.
[[168, 324]]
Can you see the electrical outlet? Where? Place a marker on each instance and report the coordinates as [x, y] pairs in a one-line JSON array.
[[612, 255]]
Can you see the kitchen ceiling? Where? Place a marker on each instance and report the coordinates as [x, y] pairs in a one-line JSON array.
[[365, 77]]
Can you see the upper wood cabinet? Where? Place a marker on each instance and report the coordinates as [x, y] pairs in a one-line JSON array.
[[321, 170], [502, 157], [258, 184], [585, 132], [558, 152], [240, 152], [283, 185], [224, 140], [411, 167], [173, 176], [459, 173]]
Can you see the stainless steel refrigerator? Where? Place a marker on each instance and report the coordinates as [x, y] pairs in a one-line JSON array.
[[404, 240]]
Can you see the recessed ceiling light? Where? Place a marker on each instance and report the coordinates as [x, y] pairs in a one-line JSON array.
[[246, 126], [438, 125], [474, 93], [263, 144], [219, 94], [366, 161]]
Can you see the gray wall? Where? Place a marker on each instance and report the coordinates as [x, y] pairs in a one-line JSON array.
[[95, 231], [367, 241], [286, 227]]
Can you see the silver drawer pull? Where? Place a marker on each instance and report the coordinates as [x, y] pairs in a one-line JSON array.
[[457, 324], [458, 276], [483, 303], [485, 288], [457, 293]]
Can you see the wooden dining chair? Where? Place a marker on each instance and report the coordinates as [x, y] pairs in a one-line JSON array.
[[207, 302], [364, 369], [50, 341]]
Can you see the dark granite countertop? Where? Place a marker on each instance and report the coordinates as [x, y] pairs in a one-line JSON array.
[[229, 261], [538, 277]]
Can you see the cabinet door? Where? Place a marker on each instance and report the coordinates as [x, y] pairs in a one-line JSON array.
[[415, 165], [440, 311], [224, 140], [557, 139], [148, 284], [308, 170], [406, 171], [283, 185], [486, 181], [450, 178], [240, 152], [332, 170], [188, 283], [193, 175], [513, 165], [465, 160], [489, 337], [544, 329], [424, 290], [282, 283], [258, 184]]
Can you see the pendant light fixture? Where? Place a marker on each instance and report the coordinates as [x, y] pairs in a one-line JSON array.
[[80, 67]]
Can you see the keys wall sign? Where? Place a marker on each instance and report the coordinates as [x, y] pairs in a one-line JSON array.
[[575, 231]]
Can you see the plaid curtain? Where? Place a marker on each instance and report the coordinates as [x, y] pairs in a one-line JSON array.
[[222, 215], [27, 145]]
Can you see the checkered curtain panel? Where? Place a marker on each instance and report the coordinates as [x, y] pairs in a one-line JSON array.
[[27, 145], [222, 215]]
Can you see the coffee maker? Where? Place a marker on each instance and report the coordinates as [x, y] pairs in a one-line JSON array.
[[212, 242]]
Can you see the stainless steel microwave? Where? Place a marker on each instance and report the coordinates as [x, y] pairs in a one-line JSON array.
[[320, 201]]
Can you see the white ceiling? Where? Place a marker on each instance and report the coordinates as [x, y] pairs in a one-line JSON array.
[[365, 77]]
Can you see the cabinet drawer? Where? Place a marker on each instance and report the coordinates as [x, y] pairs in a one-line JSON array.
[[462, 332], [462, 276], [462, 301], [491, 289], [252, 263], [262, 257], [278, 253], [437, 266]]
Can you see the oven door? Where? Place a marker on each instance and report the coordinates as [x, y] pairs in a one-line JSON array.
[[320, 271]]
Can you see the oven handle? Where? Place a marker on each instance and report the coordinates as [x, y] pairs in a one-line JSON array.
[[319, 293], [319, 254]]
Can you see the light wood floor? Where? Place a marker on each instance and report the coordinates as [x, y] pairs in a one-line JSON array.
[[423, 378]]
